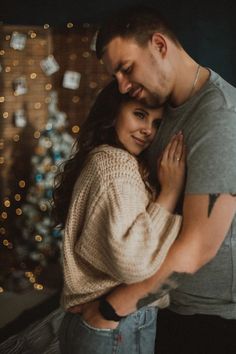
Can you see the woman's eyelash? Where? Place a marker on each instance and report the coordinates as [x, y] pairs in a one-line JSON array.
[[139, 114]]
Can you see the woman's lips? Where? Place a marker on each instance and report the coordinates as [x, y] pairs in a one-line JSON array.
[[139, 141]]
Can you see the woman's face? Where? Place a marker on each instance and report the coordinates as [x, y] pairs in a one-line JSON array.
[[136, 126]]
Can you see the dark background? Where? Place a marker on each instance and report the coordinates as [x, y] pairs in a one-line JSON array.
[[206, 28]]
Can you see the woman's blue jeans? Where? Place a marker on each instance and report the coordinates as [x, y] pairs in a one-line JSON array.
[[135, 334]]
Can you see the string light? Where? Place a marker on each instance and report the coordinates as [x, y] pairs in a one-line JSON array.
[[18, 211], [36, 134], [46, 26], [38, 286], [17, 197], [38, 238], [21, 183], [2, 99], [7, 203], [2, 160], [33, 76], [75, 129], [1, 290], [2, 52], [69, 25], [86, 54], [16, 137], [37, 105], [4, 215], [7, 69], [48, 87]]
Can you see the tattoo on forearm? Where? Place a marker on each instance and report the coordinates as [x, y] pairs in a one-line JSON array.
[[212, 200], [171, 283]]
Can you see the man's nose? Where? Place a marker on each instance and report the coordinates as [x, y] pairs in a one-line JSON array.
[[123, 83]]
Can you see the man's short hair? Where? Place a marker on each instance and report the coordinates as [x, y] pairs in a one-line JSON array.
[[138, 23]]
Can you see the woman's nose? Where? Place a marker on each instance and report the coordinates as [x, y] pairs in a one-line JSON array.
[[146, 130]]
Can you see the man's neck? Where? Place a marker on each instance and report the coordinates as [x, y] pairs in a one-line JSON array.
[[189, 82]]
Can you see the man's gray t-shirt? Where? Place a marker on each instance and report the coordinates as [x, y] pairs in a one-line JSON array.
[[208, 122]]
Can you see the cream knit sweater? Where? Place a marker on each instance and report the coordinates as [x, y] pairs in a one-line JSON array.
[[114, 233]]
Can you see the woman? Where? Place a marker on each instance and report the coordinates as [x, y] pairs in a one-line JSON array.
[[117, 229]]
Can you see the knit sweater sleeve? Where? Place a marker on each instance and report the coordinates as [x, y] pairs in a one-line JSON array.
[[126, 236]]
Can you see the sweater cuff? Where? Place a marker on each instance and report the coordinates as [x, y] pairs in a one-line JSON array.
[[159, 215]]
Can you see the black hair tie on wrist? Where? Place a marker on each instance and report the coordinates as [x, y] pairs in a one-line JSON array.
[[107, 311]]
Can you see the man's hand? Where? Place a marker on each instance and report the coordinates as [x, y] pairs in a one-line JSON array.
[[92, 316]]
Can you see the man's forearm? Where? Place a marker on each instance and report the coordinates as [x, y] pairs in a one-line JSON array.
[[128, 298]]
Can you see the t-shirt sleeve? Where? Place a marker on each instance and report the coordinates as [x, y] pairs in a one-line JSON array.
[[211, 155]]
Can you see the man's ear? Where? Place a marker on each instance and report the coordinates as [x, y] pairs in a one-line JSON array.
[[158, 41]]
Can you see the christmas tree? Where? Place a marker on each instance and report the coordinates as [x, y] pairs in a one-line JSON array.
[[39, 241]]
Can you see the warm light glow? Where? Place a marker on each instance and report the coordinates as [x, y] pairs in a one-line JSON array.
[[7, 69], [86, 54], [2, 52], [36, 134], [2, 231], [75, 99], [21, 183], [18, 211], [38, 286], [93, 84], [5, 115], [75, 129], [2, 160], [7, 203], [33, 35], [4, 215], [37, 105], [46, 26], [48, 87], [16, 137], [17, 197], [38, 238], [69, 25], [5, 242], [33, 76], [2, 99], [28, 274]]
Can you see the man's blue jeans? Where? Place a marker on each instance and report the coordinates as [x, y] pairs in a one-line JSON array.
[[135, 334]]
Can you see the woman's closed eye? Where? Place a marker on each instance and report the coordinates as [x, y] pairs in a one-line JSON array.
[[140, 114]]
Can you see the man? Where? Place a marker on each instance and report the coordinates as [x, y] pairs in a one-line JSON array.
[[143, 54]]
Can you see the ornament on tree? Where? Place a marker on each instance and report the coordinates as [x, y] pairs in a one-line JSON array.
[[71, 80], [49, 65], [18, 41]]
